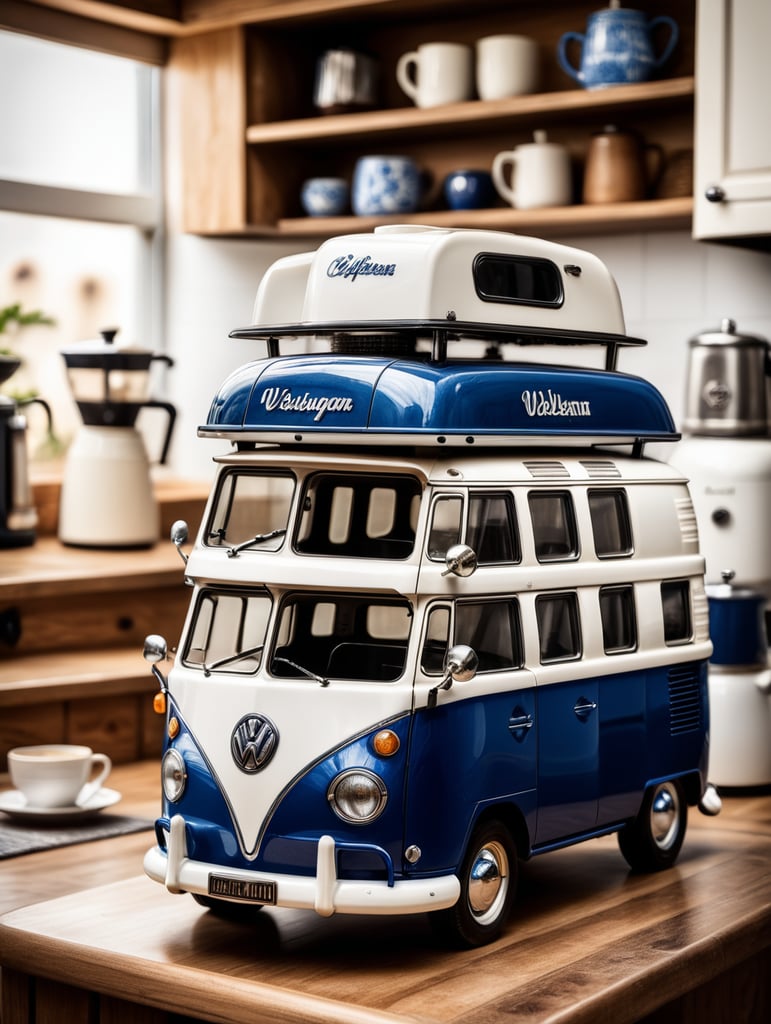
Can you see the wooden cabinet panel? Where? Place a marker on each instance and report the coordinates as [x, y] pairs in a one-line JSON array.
[[733, 144], [250, 134]]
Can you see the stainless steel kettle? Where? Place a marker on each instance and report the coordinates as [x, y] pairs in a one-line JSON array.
[[726, 388]]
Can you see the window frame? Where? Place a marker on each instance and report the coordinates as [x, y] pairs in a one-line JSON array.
[[631, 610], [624, 520], [143, 209]]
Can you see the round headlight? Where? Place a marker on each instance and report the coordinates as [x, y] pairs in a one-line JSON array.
[[357, 795], [173, 775]]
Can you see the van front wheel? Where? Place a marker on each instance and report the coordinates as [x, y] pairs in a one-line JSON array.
[[488, 881], [652, 841]]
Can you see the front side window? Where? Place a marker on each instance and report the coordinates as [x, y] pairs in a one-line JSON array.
[[559, 627], [228, 631], [619, 622], [491, 529], [554, 525], [611, 528], [357, 516], [491, 628], [341, 636], [676, 609], [251, 507]]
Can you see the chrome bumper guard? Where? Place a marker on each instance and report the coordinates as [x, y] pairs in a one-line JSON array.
[[325, 893]]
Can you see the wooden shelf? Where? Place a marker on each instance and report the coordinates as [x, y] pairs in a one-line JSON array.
[[653, 214], [474, 116]]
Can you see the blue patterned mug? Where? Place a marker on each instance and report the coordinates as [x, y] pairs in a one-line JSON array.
[[384, 185], [617, 48], [324, 197]]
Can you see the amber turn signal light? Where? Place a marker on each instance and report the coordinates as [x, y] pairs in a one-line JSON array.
[[385, 743], [159, 703]]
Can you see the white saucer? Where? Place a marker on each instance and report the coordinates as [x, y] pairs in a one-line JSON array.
[[14, 803]]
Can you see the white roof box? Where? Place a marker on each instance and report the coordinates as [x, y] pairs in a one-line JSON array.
[[424, 274]]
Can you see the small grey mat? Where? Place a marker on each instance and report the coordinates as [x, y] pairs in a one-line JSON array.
[[17, 838]]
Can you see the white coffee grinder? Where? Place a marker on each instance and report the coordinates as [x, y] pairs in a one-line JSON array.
[[107, 497], [726, 455]]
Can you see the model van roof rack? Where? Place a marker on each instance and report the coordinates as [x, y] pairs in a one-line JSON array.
[[372, 338]]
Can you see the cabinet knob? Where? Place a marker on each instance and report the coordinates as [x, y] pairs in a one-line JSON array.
[[714, 194]]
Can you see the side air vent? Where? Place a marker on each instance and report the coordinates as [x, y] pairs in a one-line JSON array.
[[544, 469], [686, 518], [684, 700], [601, 469]]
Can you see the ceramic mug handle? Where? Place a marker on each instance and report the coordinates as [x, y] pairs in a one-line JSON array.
[[404, 75], [95, 785], [500, 161], [664, 19], [562, 53]]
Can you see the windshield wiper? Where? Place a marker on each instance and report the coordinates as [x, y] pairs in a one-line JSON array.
[[257, 539], [305, 671], [250, 652]]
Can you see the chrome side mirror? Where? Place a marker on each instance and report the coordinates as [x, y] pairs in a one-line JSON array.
[[461, 560], [460, 665], [155, 650], [179, 533]]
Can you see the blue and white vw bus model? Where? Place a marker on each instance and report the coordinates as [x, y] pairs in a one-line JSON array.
[[445, 613]]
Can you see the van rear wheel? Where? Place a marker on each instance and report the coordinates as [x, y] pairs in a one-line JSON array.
[[652, 841], [488, 881]]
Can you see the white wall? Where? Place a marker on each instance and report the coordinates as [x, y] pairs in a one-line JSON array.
[[671, 288]]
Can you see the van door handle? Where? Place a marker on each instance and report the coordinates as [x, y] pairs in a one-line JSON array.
[[583, 708], [519, 721]]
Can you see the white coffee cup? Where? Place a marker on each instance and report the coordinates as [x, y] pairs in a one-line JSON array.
[[437, 73], [506, 65], [540, 174], [57, 774]]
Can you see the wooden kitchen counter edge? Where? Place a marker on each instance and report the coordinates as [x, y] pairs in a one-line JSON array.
[[49, 568], [663, 936]]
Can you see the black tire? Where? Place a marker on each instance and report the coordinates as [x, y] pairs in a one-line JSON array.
[[228, 910], [488, 884], [652, 841]]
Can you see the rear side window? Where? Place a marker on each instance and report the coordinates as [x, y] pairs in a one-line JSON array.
[[619, 622], [676, 609], [554, 525], [611, 528], [559, 627]]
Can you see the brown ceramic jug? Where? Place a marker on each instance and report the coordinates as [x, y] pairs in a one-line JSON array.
[[619, 167]]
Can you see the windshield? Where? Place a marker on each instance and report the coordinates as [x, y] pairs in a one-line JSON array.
[[358, 516], [342, 637], [251, 509], [228, 631]]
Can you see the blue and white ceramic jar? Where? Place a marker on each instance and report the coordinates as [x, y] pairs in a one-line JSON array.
[[617, 48], [324, 197], [384, 185]]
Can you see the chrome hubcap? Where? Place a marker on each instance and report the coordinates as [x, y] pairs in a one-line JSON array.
[[488, 881], [664, 817]]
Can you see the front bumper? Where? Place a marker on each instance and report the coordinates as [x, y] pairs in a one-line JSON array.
[[325, 893]]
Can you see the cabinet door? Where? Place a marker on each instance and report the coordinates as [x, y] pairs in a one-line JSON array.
[[732, 188]]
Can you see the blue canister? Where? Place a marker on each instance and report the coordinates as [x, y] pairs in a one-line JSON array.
[[737, 625], [617, 48], [385, 184]]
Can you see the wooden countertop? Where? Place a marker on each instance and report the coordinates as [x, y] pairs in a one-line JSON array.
[[49, 568], [588, 942]]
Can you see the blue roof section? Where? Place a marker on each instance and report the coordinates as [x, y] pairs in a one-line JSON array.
[[385, 398]]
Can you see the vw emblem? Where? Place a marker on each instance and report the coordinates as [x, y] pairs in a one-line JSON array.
[[253, 743]]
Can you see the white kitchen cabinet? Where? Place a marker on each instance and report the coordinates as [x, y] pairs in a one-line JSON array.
[[732, 175]]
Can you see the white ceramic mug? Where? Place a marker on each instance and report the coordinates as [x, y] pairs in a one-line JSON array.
[[57, 774], [437, 73], [506, 65], [540, 174]]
